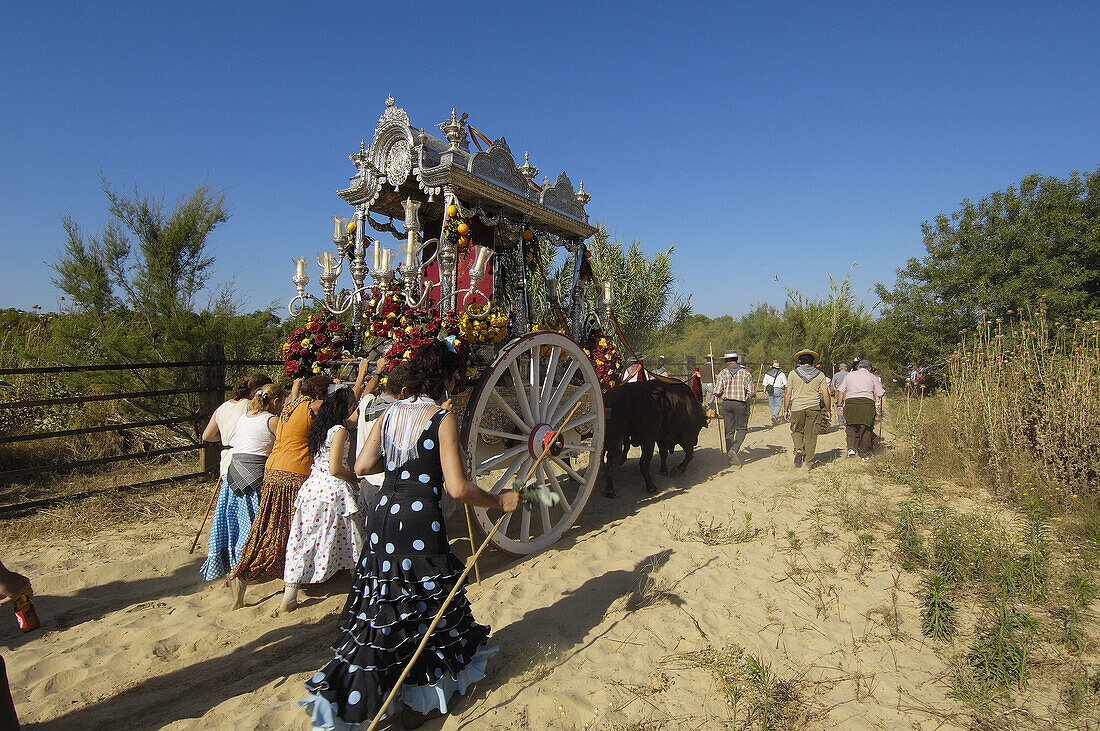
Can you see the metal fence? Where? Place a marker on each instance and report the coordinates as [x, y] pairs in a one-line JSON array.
[[208, 382]]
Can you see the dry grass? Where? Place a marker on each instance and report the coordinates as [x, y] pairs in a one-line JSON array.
[[758, 696], [162, 511], [1003, 520]]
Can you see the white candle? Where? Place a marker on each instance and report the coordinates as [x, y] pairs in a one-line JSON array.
[[387, 259], [376, 255], [607, 293], [299, 266]]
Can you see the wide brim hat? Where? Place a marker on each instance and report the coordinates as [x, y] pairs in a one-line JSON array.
[[805, 351]]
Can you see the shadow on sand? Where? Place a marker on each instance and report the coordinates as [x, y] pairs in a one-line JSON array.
[[94, 602], [192, 691]]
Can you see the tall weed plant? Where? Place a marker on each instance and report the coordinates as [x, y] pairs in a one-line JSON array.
[[1024, 395]]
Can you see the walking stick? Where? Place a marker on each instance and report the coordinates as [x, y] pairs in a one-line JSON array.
[[458, 585], [713, 395], [470, 531], [206, 515]]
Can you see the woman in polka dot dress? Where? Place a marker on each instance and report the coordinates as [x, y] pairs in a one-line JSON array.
[[326, 532], [407, 568]]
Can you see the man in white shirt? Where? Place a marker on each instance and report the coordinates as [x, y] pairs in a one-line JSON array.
[[775, 381]]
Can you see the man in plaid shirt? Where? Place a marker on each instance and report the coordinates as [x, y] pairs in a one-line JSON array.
[[734, 391]]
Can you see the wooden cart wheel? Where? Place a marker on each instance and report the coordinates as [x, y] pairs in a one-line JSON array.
[[524, 396]]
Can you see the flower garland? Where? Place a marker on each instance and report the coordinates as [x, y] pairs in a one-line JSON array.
[[491, 329], [309, 348], [406, 328], [606, 359]]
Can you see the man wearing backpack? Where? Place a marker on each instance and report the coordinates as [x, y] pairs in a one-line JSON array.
[[806, 405], [775, 382]]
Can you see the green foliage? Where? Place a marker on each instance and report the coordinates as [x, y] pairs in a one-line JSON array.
[[907, 521], [1041, 239], [938, 615], [837, 326], [646, 304], [999, 657]]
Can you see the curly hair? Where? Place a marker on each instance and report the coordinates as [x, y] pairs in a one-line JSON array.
[[316, 387], [334, 410], [246, 387], [428, 370]]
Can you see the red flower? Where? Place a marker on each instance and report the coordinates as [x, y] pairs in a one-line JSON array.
[[295, 347], [291, 367], [323, 358], [333, 326], [319, 338], [315, 327], [299, 332]]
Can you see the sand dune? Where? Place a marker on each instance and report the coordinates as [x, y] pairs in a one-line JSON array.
[[134, 638]]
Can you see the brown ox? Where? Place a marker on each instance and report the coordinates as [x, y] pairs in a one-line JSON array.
[[656, 412]]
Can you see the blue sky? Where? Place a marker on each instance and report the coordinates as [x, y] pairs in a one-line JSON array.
[[770, 138]]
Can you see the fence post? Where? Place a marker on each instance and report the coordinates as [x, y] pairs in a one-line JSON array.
[[212, 383]]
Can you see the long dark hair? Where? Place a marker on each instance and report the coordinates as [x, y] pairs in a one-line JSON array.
[[429, 368], [334, 410], [316, 386]]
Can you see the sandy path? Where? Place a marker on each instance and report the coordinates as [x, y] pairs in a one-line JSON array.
[[135, 639]]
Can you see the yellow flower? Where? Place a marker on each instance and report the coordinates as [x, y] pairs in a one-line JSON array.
[[305, 342], [316, 368]]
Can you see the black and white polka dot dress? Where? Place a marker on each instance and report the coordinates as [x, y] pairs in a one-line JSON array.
[[406, 571]]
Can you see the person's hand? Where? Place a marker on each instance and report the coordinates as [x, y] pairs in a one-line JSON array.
[[509, 501], [364, 366], [297, 382], [13, 584], [381, 364], [449, 404], [787, 414]]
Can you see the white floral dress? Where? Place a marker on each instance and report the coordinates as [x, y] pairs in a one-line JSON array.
[[326, 532]]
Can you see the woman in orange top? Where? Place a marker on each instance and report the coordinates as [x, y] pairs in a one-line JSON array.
[[264, 552]]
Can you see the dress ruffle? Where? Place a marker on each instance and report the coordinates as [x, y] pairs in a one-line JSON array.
[[421, 698]]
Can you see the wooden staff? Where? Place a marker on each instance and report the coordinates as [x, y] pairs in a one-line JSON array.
[[713, 395], [470, 531], [206, 515], [458, 585]]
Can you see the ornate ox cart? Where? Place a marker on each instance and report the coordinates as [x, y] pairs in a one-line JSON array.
[[477, 237]]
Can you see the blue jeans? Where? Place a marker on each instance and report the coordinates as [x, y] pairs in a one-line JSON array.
[[775, 402]]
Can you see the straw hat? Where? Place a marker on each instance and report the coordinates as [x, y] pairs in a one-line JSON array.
[[805, 351]]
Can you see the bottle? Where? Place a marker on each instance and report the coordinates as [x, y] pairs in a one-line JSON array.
[[25, 614]]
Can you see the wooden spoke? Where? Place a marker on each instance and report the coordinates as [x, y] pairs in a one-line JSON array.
[[521, 392], [578, 447], [569, 470], [556, 487], [562, 387], [510, 412], [548, 382], [488, 464], [565, 408], [525, 522], [503, 434], [574, 423]]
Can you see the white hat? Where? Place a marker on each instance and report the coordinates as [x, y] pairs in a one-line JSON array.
[[731, 355]]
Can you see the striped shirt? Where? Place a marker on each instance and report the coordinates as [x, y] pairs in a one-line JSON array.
[[734, 386]]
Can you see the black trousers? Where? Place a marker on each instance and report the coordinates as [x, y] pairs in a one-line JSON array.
[[735, 417]]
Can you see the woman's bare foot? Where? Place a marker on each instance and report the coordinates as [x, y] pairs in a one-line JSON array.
[[290, 599], [237, 586]]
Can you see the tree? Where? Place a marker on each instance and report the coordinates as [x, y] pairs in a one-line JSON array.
[[1000, 255], [156, 274], [646, 302]]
